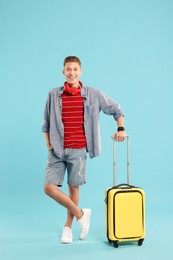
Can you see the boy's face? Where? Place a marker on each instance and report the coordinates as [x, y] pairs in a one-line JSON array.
[[72, 71]]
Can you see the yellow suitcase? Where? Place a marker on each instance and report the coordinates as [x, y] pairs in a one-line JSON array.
[[125, 209]]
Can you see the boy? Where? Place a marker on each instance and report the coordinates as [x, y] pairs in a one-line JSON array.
[[71, 129]]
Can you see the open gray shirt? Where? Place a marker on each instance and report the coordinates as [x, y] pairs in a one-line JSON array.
[[94, 102]]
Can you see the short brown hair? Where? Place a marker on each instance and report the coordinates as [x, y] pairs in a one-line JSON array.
[[72, 59]]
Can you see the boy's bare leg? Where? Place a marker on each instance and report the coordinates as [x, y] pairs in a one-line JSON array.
[[52, 191], [74, 196]]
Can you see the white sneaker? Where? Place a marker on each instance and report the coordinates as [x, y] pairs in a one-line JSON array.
[[66, 237], [84, 223]]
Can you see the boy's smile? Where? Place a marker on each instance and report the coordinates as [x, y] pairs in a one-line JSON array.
[[72, 71]]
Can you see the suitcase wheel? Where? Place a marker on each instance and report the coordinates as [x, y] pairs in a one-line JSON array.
[[140, 241], [115, 244]]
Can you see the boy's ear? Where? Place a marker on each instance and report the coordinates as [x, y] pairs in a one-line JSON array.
[[63, 72]]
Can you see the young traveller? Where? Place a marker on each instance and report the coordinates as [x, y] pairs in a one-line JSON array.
[[71, 129]]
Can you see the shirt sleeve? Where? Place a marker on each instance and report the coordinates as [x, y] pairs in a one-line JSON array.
[[46, 124], [109, 106]]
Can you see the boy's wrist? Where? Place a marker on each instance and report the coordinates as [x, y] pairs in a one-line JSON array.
[[49, 146], [120, 128]]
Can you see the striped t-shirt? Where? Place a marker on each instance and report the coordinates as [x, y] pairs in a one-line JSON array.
[[73, 120]]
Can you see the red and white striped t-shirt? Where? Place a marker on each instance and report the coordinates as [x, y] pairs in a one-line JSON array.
[[73, 120]]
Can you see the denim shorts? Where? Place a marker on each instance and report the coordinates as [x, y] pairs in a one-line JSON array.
[[72, 160]]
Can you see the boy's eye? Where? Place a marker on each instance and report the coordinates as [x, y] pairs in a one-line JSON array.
[[69, 69]]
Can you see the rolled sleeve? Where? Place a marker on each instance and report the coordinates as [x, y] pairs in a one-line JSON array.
[[109, 106]]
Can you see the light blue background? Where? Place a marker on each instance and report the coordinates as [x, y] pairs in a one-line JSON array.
[[126, 51]]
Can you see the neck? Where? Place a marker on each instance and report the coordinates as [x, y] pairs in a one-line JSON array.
[[74, 85], [72, 89]]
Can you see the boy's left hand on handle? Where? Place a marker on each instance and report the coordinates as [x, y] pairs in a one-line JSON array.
[[119, 136]]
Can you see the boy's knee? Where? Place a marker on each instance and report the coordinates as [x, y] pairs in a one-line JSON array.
[[49, 189], [46, 189]]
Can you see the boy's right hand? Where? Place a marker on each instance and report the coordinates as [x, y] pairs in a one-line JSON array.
[[49, 147]]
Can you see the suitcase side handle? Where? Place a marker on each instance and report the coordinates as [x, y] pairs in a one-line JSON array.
[[128, 161]]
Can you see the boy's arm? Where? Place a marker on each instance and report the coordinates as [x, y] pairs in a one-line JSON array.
[[111, 107], [45, 127], [48, 144], [120, 135]]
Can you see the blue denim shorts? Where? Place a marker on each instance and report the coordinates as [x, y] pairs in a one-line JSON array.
[[72, 160]]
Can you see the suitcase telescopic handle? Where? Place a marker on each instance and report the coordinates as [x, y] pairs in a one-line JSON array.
[[128, 161]]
